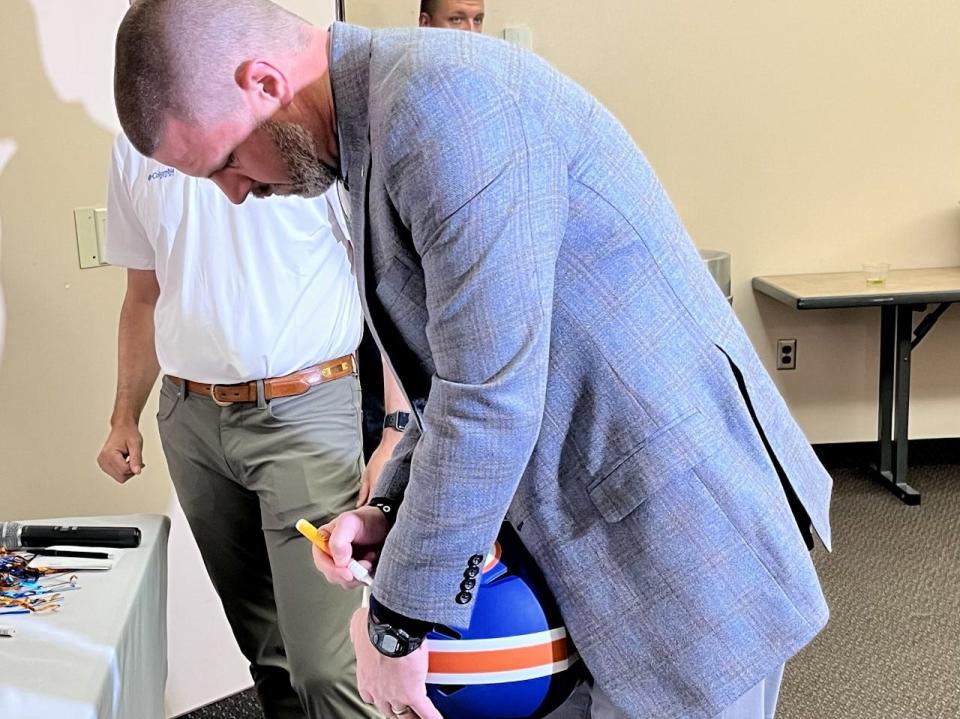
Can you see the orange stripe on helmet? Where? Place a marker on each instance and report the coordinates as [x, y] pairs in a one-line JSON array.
[[498, 660], [493, 556]]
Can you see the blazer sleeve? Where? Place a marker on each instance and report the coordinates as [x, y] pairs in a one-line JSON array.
[[482, 190]]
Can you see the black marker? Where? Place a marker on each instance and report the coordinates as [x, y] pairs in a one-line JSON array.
[[70, 553]]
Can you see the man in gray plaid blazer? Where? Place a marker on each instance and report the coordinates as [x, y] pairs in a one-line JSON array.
[[577, 369]]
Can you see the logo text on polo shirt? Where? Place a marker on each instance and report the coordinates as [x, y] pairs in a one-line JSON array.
[[160, 174]]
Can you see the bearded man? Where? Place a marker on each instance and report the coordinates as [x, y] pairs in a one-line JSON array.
[[580, 373]]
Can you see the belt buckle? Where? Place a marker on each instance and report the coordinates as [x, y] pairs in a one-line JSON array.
[[213, 396], [327, 372]]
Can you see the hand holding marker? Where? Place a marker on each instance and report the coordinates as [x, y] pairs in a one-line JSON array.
[[320, 541]]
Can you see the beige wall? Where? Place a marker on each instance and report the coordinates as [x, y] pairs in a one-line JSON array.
[[800, 137], [58, 366]]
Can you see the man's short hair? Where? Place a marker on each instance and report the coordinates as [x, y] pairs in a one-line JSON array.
[[179, 57], [430, 7]]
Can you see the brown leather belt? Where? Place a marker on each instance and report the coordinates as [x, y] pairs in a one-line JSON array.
[[286, 386]]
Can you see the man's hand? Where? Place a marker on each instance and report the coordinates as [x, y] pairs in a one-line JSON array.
[[371, 473], [397, 687], [359, 535], [122, 453]]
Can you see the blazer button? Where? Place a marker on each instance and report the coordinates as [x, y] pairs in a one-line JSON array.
[[468, 584], [476, 560], [464, 597], [471, 572]]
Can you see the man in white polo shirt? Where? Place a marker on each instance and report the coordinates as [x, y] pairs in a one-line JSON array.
[[252, 315]]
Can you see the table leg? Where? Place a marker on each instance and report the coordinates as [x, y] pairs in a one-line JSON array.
[[888, 343], [896, 336]]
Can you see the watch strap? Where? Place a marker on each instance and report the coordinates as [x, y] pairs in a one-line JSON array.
[[388, 507], [393, 634], [396, 420]]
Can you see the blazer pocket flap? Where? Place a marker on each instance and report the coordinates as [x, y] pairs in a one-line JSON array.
[[672, 450]]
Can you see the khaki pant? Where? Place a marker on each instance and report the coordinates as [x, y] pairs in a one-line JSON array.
[[244, 474], [590, 702]]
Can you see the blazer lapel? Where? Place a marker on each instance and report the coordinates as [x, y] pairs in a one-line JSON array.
[[350, 49], [350, 79], [359, 225]]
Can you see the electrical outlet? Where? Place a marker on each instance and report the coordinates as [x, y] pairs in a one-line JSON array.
[[786, 354]]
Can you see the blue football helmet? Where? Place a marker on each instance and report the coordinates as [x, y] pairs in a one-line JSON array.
[[515, 660]]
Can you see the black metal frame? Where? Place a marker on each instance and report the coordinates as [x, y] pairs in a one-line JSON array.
[[897, 341]]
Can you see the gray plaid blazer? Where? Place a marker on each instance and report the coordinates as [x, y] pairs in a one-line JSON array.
[[526, 275]]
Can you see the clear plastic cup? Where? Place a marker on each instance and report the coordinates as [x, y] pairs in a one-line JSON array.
[[875, 273]]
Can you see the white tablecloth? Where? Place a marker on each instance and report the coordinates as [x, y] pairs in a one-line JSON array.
[[104, 654]]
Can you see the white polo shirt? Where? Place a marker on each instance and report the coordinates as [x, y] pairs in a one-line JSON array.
[[247, 291]]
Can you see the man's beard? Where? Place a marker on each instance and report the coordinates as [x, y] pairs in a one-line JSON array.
[[309, 176]]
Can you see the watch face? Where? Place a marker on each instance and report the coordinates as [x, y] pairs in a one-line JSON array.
[[383, 638], [389, 644], [397, 420]]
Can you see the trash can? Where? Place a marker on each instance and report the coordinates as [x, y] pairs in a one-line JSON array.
[[718, 265]]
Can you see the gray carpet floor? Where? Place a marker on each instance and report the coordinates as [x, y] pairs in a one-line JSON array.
[[892, 647]]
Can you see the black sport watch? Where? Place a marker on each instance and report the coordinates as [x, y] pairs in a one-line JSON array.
[[392, 634], [388, 507], [396, 420]]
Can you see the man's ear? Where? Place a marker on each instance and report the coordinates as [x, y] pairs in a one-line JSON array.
[[265, 85], [424, 20]]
